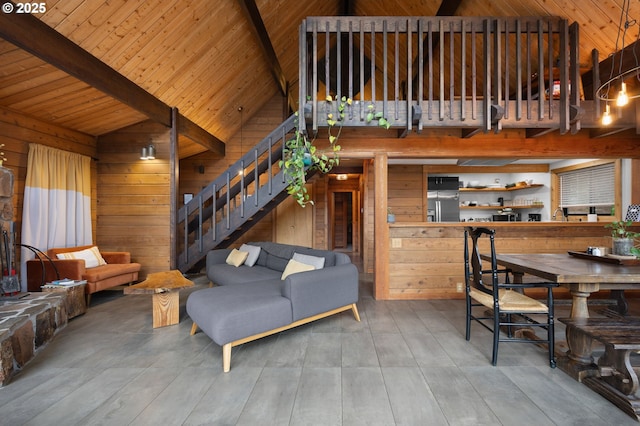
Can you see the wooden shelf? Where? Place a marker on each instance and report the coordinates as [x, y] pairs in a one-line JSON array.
[[501, 189], [529, 206]]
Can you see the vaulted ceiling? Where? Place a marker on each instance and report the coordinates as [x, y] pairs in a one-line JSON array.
[[207, 58]]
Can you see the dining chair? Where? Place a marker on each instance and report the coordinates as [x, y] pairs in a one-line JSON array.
[[503, 303]]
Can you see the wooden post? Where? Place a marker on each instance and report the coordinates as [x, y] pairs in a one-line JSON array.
[[381, 229]]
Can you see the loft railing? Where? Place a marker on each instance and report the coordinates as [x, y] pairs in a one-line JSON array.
[[234, 199], [475, 73]]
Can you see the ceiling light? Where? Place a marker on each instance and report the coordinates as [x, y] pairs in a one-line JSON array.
[[622, 74], [623, 98], [341, 176], [606, 117]]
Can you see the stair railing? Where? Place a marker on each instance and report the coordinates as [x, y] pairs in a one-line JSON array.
[[233, 199]]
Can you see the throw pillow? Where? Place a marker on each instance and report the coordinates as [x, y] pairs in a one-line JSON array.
[[293, 267], [254, 252], [237, 257], [91, 257], [315, 261]]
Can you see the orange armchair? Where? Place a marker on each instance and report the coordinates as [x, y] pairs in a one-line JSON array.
[[118, 270]]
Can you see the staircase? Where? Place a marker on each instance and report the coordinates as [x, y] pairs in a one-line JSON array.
[[235, 201]]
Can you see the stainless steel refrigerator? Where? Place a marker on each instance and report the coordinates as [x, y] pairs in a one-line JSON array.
[[443, 203]]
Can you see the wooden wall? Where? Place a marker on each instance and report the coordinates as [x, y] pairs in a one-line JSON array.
[[407, 191], [133, 200], [426, 261]]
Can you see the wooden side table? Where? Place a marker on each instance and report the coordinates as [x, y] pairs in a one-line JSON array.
[[164, 288], [75, 300]]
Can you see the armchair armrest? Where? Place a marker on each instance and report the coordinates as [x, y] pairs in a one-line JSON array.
[[67, 268], [321, 290], [116, 256]]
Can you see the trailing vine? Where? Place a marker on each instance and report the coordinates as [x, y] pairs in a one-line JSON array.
[[301, 153]]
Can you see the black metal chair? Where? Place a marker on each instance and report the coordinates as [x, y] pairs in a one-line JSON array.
[[501, 298]]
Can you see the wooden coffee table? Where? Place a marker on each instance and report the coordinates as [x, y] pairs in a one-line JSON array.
[[164, 286]]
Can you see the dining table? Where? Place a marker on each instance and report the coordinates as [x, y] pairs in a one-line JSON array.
[[583, 275]]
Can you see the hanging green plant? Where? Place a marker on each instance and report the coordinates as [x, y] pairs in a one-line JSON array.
[[302, 155], [373, 115]]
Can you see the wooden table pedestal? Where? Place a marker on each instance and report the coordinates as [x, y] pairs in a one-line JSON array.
[[164, 288]]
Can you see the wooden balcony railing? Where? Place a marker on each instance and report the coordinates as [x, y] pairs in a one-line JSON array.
[[469, 72]]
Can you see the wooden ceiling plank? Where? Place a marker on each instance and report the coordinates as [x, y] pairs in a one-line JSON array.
[[34, 36], [257, 25], [145, 67]]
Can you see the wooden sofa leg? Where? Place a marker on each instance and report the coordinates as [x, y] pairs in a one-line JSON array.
[[226, 357], [194, 328], [354, 309]]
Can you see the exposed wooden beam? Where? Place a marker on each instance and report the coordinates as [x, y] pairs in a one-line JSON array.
[[534, 133], [34, 36], [467, 133], [200, 136], [447, 8], [609, 131], [257, 25], [348, 6]]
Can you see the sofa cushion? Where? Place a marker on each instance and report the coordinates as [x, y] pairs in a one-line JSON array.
[[229, 313], [237, 257], [254, 252], [277, 263], [294, 267], [287, 251], [109, 270], [223, 274], [316, 261], [91, 257]]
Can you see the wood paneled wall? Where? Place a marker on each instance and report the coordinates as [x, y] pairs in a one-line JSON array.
[[426, 260], [133, 197], [407, 191], [17, 131]]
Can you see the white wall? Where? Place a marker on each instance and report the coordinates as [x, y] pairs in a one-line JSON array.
[[518, 197]]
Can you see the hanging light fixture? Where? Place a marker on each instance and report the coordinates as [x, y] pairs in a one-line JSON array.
[[606, 117], [148, 152], [618, 79]]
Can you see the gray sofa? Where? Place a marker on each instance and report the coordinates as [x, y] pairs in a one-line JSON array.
[[250, 302]]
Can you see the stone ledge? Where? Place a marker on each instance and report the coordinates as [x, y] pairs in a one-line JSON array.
[[26, 326]]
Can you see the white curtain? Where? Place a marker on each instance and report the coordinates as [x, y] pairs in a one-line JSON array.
[[57, 202]]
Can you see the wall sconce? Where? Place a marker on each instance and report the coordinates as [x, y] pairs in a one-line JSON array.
[[148, 152]]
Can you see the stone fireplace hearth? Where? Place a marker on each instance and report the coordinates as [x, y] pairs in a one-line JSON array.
[[27, 324]]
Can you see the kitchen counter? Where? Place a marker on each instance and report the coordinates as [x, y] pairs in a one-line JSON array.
[[599, 224], [426, 258]]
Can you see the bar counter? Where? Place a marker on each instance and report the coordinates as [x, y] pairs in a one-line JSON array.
[[426, 258]]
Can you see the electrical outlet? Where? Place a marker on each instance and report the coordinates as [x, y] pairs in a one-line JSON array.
[[396, 243], [459, 287]]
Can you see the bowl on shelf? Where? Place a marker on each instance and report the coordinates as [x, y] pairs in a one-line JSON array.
[[473, 183]]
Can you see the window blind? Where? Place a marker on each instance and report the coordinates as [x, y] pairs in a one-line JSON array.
[[591, 186]]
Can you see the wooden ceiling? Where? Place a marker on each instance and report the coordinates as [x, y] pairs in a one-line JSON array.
[[208, 58]]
